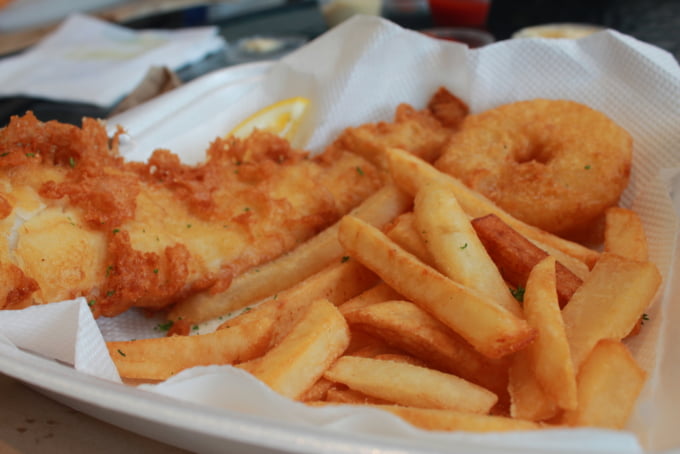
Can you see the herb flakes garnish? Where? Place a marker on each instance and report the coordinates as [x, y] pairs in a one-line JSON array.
[[164, 326], [518, 293]]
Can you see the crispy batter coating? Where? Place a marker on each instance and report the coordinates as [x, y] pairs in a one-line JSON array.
[[448, 108], [423, 133], [555, 164], [80, 221]]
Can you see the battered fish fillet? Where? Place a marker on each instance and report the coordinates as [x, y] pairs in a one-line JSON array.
[[77, 220]]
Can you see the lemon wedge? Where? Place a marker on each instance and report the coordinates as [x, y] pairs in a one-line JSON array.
[[282, 118]]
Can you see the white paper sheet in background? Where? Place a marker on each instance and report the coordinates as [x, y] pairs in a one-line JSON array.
[[359, 72], [92, 61]]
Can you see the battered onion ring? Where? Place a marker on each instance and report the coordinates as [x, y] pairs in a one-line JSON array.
[[554, 164]]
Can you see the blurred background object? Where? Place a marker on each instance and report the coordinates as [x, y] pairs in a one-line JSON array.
[[459, 13], [653, 21], [337, 11], [268, 29], [566, 30], [473, 37]]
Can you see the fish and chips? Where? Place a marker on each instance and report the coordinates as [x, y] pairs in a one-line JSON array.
[[386, 272]]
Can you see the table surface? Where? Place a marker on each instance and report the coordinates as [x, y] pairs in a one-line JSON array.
[[30, 423]]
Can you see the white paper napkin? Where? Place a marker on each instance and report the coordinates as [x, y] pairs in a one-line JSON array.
[[359, 72], [65, 331], [92, 61]]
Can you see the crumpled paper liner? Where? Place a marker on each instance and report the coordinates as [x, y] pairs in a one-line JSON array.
[[65, 331], [359, 72]]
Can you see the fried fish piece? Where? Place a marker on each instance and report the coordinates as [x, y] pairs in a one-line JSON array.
[[80, 221], [419, 132], [448, 108]]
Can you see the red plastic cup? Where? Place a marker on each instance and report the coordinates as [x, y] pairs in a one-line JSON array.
[[459, 13]]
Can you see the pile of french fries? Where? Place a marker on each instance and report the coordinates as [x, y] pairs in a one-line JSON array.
[[430, 302]]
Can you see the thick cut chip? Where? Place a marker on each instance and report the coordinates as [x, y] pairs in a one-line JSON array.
[[489, 328], [289, 269], [406, 384], [337, 283], [455, 247], [294, 365], [379, 293], [609, 383], [402, 358], [452, 420], [351, 397], [161, 358], [516, 256], [404, 325], [410, 173], [609, 303], [528, 401], [369, 346], [624, 234], [549, 353], [404, 232], [317, 391]]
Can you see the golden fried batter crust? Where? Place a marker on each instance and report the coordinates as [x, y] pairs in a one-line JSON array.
[[555, 164], [80, 221]]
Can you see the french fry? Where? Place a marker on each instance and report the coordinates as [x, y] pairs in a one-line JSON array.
[[338, 282], [489, 328], [161, 358], [609, 383], [624, 234], [528, 401], [549, 354], [289, 269], [285, 312], [410, 385], [516, 256], [404, 325], [368, 345], [410, 173], [379, 293], [300, 359], [403, 231], [451, 420], [335, 283], [455, 247], [573, 264], [403, 358], [609, 303], [317, 391], [352, 397]]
